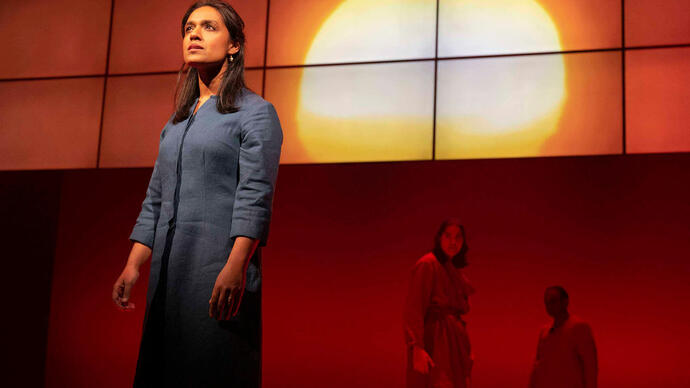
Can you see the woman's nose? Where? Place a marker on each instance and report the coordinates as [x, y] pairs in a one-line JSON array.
[[194, 34]]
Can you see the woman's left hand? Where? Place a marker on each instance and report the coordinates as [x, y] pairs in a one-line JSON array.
[[227, 292]]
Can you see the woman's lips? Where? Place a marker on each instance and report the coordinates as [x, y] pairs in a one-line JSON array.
[[194, 47]]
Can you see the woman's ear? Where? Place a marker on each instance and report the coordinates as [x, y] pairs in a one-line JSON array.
[[233, 49]]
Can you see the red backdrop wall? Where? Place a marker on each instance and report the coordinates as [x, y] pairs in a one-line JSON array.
[[613, 230]]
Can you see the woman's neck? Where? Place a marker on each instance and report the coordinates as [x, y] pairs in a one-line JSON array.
[[209, 80]]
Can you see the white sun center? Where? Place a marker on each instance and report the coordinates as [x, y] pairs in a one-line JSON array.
[[384, 112]]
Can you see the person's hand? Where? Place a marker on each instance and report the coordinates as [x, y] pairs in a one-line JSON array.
[[123, 287], [421, 362], [227, 292]]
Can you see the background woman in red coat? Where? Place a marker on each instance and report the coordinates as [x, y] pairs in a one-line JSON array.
[[438, 347]]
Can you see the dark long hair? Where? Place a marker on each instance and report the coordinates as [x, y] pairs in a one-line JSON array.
[[231, 84], [460, 259]]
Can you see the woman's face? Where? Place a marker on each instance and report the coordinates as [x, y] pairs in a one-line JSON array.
[[206, 39], [451, 240]]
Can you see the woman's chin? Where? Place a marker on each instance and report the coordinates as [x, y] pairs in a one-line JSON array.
[[202, 64]]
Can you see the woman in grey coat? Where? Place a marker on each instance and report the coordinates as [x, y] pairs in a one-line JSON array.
[[206, 212]]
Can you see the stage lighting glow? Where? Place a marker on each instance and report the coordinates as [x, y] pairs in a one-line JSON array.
[[370, 112], [365, 30], [497, 106], [477, 27], [374, 112], [486, 108]]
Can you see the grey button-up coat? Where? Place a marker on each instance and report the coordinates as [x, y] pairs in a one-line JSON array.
[[213, 181]]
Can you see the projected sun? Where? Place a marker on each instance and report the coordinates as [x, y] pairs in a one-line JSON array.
[[479, 27], [376, 112], [497, 107], [373, 112]]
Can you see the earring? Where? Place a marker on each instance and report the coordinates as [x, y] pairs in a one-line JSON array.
[[231, 58]]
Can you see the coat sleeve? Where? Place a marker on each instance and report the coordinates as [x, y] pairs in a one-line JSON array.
[[145, 226], [468, 288], [587, 352], [535, 365], [418, 299], [259, 156]]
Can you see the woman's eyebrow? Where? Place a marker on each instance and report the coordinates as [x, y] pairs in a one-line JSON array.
[[207, 21]]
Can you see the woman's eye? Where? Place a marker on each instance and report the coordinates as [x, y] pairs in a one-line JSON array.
[[210, 27], [188, 28]]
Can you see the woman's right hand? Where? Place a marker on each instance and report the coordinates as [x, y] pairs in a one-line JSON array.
[[421, 362], [123, 287]]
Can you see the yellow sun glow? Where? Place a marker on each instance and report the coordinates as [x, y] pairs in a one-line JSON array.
[[485, 107]]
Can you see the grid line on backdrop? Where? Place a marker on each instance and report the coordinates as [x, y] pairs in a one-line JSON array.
[[623, 140], [105, 84], [274, 67]]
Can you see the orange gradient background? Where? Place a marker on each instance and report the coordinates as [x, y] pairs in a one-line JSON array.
[[591, 121], [658, 100], [588, 122], [654, 22], [144, 52]]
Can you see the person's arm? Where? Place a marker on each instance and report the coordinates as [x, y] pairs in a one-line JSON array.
[[587, 352], [533, 376], [229, 287], [123, 285], [468, 288], [144, 229], [259, 157], [416, 304], [142, 237]]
